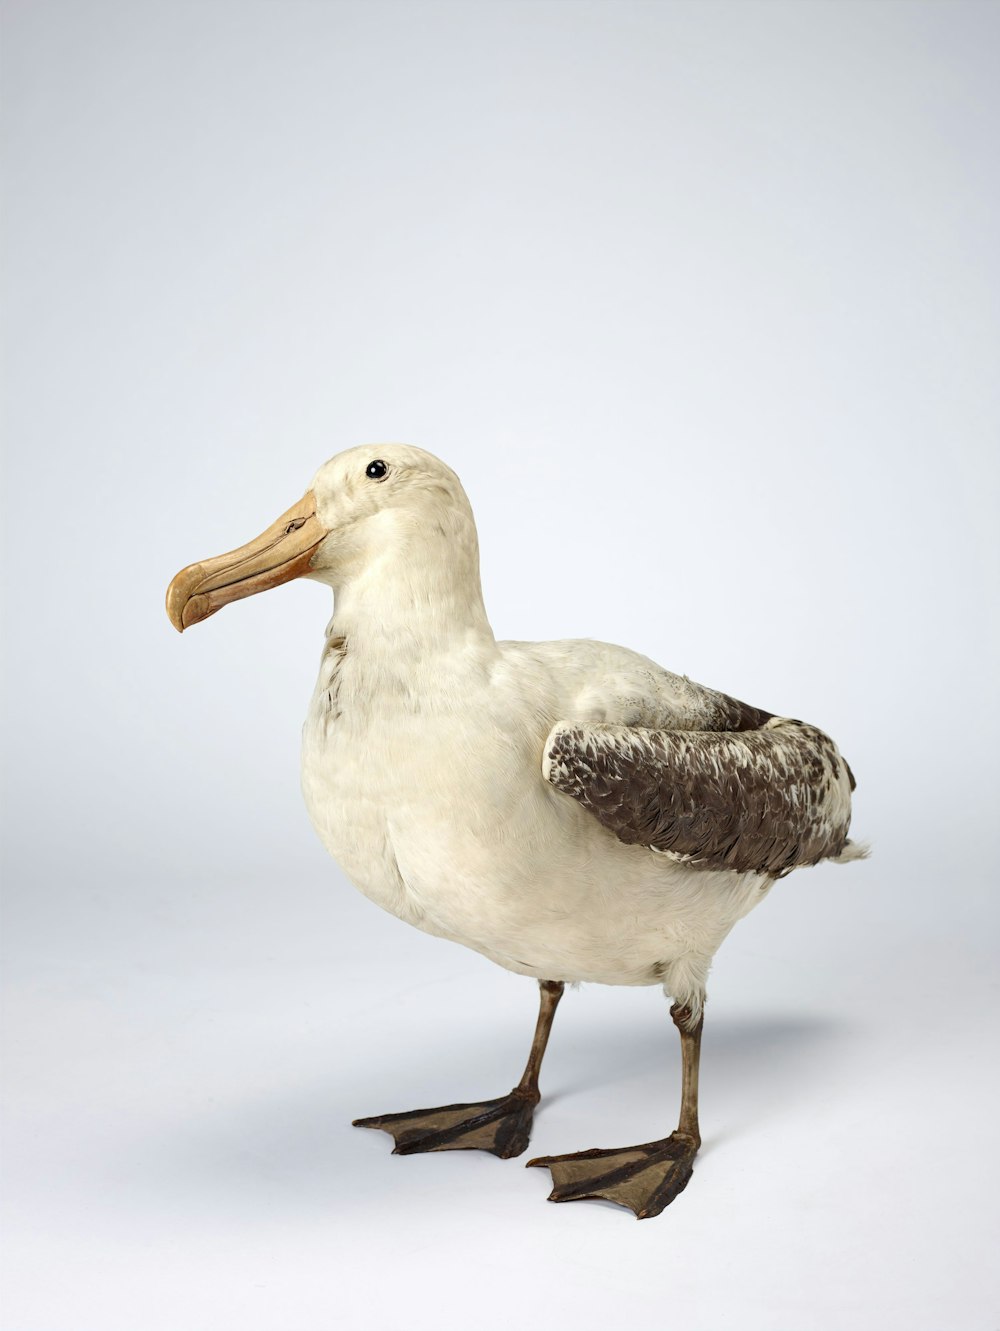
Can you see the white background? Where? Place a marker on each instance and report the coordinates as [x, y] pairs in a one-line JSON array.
[[700, 300]]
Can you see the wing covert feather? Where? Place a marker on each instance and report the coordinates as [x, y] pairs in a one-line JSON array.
[[761, 800]]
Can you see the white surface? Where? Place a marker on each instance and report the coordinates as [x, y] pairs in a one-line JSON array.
[[184, 1155], [731, 268]]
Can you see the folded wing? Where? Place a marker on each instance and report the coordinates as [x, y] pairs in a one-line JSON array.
[[764, 800]]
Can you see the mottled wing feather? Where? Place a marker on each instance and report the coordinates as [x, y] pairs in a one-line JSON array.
[[764, 800], [725, 713]]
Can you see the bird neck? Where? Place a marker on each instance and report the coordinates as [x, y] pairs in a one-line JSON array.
[[414, 601]]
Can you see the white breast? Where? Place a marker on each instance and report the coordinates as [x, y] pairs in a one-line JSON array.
[[438, 812]]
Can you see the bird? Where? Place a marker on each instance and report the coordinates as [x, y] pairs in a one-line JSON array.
[[570, 810]]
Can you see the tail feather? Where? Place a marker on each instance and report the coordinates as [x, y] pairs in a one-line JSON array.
[[853, 850]]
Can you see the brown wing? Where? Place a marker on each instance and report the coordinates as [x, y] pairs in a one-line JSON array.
[[764, 800]]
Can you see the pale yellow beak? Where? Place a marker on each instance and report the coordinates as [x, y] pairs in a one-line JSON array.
[[277, 555]]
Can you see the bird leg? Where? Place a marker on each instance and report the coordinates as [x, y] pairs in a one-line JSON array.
[[644, 1178], [501, 1126]]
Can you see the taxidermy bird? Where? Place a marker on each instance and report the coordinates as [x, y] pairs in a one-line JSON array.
[[568, 809]]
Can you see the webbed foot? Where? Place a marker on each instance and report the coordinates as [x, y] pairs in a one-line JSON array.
[[644, 1178], [501, 1126]]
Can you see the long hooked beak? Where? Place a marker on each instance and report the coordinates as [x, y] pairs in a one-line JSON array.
[[277, 555]]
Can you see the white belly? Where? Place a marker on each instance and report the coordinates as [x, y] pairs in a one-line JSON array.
[[456, 832]]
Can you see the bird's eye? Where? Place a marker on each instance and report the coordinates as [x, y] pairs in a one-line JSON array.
[[376, 470]]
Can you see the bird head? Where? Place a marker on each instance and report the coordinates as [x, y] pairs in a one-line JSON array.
[[367, 506]]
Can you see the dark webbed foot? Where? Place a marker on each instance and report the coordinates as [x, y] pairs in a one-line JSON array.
[[501, 1126], [644, 1178]]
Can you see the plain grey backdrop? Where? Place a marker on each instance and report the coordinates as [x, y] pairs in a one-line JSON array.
[[700, 300]]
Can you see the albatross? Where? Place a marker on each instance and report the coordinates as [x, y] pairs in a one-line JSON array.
[[570, 810]]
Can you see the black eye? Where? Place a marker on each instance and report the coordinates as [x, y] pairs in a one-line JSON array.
[[376, 470]]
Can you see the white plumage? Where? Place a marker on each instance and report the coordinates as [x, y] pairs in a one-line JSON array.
[[427, 787]]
